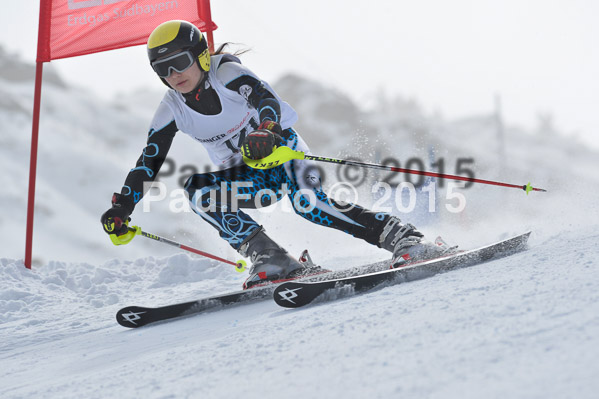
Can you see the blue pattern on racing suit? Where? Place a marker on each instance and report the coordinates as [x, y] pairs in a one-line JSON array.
[[212, 197], [148, 165]]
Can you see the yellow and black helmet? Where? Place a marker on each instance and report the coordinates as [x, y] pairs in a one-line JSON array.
[[171, 36]]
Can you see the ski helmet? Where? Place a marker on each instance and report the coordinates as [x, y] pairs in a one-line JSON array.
[[170, 36]]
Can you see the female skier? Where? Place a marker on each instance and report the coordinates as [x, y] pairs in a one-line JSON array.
[[226, 107]]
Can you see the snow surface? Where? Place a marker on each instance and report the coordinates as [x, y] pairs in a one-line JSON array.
[[525, 326]]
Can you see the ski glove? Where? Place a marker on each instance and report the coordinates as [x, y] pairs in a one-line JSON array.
[[262, 142], [115, 220]]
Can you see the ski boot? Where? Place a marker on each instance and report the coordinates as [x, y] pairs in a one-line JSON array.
[[270, 262], [408, 244]]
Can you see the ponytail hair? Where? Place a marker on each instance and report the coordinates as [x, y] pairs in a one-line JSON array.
[[221, 50]]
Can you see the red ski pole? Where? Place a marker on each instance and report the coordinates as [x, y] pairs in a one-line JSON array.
[[284, 154], [240, 266]]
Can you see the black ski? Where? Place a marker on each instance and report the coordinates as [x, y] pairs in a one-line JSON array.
[[295, 294], [138, 316]]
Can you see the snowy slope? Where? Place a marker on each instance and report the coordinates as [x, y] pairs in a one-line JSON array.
[[525, 326]]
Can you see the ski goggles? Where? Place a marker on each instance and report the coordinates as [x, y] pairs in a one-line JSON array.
[[179, 62]]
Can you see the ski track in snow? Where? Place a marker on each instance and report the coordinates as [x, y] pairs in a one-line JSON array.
[[526, 326]]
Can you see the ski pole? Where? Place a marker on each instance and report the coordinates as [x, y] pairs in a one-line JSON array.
[[284, 154], [240, 266]]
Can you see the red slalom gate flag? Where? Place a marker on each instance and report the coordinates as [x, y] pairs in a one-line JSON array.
[[70, 28]]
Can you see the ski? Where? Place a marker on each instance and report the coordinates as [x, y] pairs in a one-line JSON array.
[[138, 316], [296, 294]]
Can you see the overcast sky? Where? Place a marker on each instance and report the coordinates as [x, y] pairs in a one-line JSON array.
[[453, 56]]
